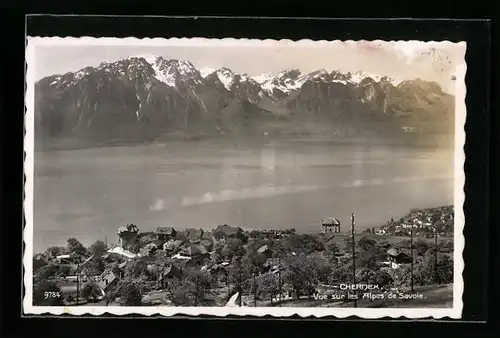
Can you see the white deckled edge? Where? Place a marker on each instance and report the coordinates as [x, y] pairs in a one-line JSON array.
[[368, 313], [29, 125], [459, 217], [215, 42]]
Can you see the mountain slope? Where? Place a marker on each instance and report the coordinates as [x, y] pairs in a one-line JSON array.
[[144, 97]]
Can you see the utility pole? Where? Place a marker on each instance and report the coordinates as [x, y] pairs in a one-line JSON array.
[[254, 290], [77, 284], [279, 280], [353, 223], [227, 282], [411, 253], [436, 256], [240, 288], [196, 295]]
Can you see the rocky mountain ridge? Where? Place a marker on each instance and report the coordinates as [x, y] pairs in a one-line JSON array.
[[145, 97]]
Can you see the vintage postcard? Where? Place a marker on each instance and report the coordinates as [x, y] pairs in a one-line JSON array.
[[244, 177]]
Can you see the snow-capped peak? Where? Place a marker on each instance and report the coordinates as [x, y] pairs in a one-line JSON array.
[[150, 58], [205, 71], [359, 76], [226, 76], [260, 79]]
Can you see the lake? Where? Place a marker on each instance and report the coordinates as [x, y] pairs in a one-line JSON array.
[[265, 183]]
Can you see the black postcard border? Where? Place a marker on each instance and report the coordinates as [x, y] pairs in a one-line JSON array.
[[477, 148]]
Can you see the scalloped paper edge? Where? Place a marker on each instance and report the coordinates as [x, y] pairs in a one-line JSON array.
[[278, 312]]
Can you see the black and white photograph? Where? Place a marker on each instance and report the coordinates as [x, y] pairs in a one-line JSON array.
[[244, 177]]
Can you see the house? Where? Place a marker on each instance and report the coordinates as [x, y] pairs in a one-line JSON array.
[[172, 246], [127, 234], [264, 250], [194, 235], [167, 275], [148, 250], [196, 252], [398, 257], [158, 243], [165, 233], [118, 253], [224, 232], [330, 225], [72, 258], [207, 243], [106, 280]]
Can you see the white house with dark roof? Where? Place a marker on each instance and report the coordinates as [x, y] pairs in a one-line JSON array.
[[330, 224]]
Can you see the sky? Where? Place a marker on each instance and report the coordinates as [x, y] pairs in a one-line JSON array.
[[431, 61]]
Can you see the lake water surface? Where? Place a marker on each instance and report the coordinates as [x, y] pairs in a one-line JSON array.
[[260, 184]]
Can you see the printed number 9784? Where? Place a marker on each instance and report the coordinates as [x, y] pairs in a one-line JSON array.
[[51, 294]]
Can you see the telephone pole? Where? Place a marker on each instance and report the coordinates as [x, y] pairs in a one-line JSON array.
[[254, 290], [279, 281], [227, 283], [196, 295], [240, 288], [77, 284], [436, 256], [353, 223], [411, 253]]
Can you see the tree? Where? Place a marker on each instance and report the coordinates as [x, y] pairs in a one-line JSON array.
[[39, 261], [55, 251], [94, 267], [267, 285], [64, 270], [340, 274], [193, 289], [331, 251], [304, 243], [366, 243], [421, 246], [216, 254], [233, 248], [136, 268], [98, 248], [304, 273], [47, 293], [70, 299], [378, 277], [47, 271], [129, 291], [74, 246], [91, 291]]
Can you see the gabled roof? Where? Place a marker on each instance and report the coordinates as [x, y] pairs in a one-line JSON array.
[[207, 235], [392, 252], [206, 242], [194, 250], [172, 245], [106, 278], [227, 230], [263, 249], [131, 228], [330, 221], [194, 234], [158, 242], [165, 230], [168, 270]]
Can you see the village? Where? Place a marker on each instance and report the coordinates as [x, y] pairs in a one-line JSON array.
[[229, 266]]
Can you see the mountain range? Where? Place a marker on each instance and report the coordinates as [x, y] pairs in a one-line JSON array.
[[143, 98]]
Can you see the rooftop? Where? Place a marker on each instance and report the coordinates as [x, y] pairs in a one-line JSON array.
[[330, 221]]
